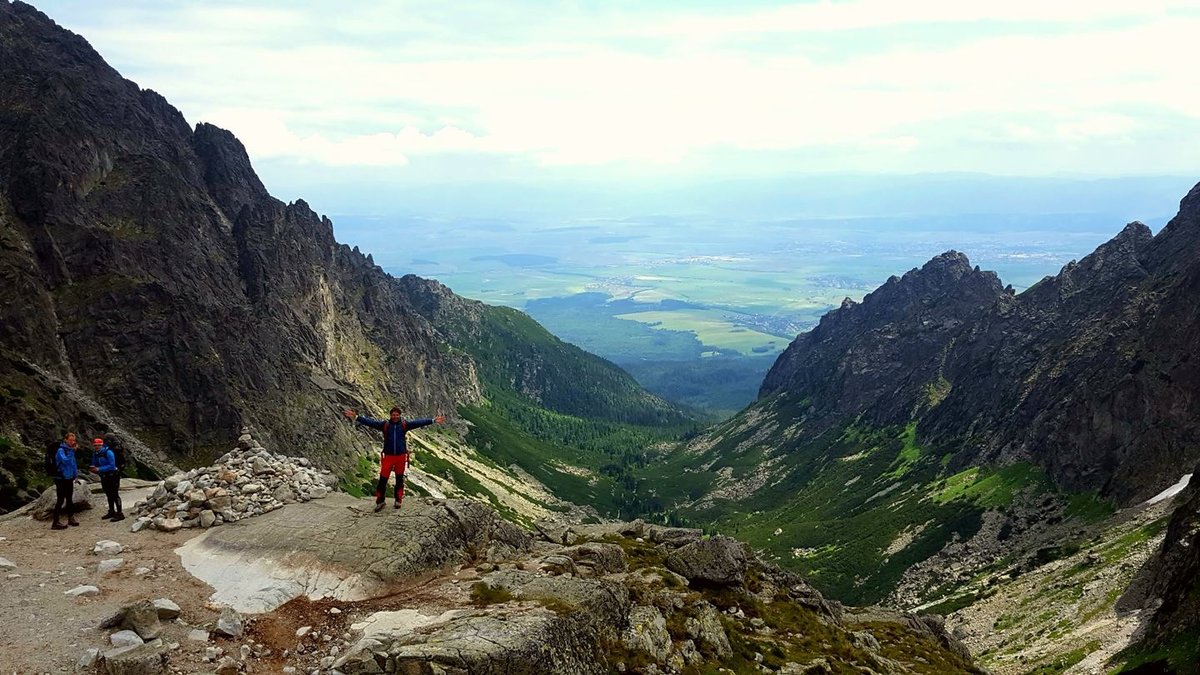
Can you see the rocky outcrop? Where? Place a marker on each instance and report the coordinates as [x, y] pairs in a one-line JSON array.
[[719, 560], [630, 613], [340, 549], [245, 482]]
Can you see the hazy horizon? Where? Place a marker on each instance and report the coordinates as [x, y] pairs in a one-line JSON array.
[[345, 106]]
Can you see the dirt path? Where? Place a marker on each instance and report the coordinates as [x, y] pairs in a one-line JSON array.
[[46, 631]]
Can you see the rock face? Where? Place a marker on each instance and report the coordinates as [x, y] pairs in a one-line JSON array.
[[1088, 373], [244, 482]]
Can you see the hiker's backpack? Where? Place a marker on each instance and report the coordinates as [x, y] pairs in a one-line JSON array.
[[118, 451], [50, 466]]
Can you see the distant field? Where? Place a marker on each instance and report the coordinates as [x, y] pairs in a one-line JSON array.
[[713, 328]]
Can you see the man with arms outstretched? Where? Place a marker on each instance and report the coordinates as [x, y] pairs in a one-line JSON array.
[[395, 449]]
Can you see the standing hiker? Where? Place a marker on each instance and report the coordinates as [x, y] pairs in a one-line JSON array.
[[104, 462], [395, 449], [65, 471]]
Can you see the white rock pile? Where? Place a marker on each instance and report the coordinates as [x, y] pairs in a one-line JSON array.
[[247, 481]]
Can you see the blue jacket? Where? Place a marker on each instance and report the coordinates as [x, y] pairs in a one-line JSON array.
[[393, 434], [104, 460], [64, 461]]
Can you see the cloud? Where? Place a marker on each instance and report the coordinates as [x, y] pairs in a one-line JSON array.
[[872, 83]]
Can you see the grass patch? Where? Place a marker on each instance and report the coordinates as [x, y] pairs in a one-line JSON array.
[[910, 452], [483, 595], [1061, 663], [993, 488], [1089, 507]]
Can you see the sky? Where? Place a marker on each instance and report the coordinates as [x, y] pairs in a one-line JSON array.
[[431, 94]]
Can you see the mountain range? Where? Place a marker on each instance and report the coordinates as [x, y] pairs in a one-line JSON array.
[[921, 448]]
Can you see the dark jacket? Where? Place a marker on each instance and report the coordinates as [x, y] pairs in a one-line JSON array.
[[393, 434], [64, 461], [104, 460]]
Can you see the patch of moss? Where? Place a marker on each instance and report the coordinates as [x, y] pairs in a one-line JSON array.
[[483, 595]]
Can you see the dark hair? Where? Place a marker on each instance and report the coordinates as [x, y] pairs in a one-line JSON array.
[[68, 433], [395, 409]]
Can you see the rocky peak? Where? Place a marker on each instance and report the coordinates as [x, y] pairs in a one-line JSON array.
[[879, 355], [226, 169]]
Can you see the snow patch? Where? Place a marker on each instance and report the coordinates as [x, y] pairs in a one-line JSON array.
[[1171, 491]]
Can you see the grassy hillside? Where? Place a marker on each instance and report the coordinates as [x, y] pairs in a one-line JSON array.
[[853, 508]]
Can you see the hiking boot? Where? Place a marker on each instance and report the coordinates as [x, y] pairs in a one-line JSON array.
[[72, 522], [396, 506], [379, 506], [119, 516], [108, 516], [58, 526]]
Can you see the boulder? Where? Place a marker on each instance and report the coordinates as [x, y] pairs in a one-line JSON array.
[[110, 566], [629, 530], [514, 642], [230, 624], [647, 632], [43, 506], [140, 617], [227, 666], [704, 626], [207, 518], [125, 638], [146, 659], [719, 560], [89, 659], [552, 531], [594, 559], [601, 603], [166, 609], [674, 536], [107, 547], [170, 525]]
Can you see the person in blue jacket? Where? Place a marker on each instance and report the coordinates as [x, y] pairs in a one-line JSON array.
[[66, 470], [395, 449], [104, 462]]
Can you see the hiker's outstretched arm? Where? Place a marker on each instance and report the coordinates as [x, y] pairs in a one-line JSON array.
[[370, 422]]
